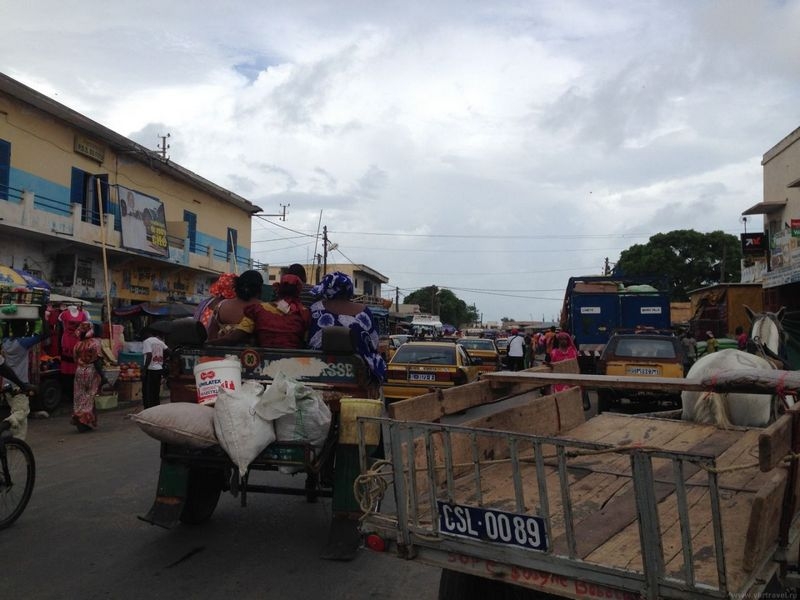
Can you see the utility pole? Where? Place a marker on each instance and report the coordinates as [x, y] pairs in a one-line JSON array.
[[606, 268], [319, 268], [325, 249], [396, 298], [163, 146]]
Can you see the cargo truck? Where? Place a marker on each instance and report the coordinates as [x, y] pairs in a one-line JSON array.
[[532, 500], [595, 306]]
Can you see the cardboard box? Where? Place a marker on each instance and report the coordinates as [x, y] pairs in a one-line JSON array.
[[105, 401], [129, 391]]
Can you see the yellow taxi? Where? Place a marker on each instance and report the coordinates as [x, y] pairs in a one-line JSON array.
[[485, 349], [395, 341], [649, 353], [419, 367]]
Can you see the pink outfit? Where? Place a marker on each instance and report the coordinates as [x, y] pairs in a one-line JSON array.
[[69, 339], [557, 355]]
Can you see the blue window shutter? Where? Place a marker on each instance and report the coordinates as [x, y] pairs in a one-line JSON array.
[[76, 189], [191, 220], [5, 168]]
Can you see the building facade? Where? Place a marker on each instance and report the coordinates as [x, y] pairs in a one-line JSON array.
[[367, 281], [96, 214]]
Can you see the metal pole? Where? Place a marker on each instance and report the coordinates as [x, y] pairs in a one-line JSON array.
[[105, 260]]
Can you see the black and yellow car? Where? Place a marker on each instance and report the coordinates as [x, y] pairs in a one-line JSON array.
[[649, 353], [484, 349], [419, 367]]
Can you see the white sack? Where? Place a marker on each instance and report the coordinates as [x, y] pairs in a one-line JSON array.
[[241, 432], [279, 399], [309, 423]]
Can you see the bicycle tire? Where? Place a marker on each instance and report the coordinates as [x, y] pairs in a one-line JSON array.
[[22, 467]]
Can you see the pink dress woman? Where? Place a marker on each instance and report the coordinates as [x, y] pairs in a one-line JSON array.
[[87, 379], [563, 351], [70, 320]]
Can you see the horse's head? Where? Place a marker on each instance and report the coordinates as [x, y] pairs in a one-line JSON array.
[[766, 329]]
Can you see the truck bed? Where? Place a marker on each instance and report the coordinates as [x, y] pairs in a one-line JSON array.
[[651, 506]]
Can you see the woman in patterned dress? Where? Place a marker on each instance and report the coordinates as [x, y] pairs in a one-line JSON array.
[[88, 378], [336, 307]]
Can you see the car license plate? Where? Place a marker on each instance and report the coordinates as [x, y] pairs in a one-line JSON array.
[[524, 531], [422, 377], [643, 370]]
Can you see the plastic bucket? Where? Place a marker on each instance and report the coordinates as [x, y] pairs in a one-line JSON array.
[[210, 376], [350, 409]]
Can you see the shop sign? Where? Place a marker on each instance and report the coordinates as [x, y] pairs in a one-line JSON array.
[[87, 147], [795, 225], [753, 243]]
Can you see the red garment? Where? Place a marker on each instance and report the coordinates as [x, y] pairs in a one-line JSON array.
[[278, 329], [70, 338], [557, 354], [741, 341]]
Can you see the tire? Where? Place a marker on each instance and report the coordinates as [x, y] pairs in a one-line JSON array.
[[49, 395], [202, 495], [18, 458], [454, 585], [603, 402]]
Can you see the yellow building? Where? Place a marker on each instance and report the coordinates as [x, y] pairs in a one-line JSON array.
[[367, 282], [168, 232]]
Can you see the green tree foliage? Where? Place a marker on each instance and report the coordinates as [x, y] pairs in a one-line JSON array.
[[444, 303], [689, 259]]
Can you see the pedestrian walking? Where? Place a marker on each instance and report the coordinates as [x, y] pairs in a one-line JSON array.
[[154, 350], [516, 351], [89, 377]]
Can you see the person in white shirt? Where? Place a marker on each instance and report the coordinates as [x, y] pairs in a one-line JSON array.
[[154, 350], [516, 351]]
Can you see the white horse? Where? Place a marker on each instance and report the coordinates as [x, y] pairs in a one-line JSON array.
[[747, 410]]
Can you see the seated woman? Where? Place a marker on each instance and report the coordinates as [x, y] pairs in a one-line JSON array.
[[336, 307], [228, 324], [284, 322]]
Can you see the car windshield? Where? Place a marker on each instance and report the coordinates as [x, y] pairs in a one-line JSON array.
[[477, 344], [410, 354], [645, 348]]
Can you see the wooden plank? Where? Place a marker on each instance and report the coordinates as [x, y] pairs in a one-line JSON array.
[[431, 407], [744, 380], [774, 443], [762, 529]]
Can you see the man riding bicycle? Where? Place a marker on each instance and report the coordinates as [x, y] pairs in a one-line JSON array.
[[19, 403]]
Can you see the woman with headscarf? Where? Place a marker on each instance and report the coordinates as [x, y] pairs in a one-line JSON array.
[[228, 324], [336, 307], [284, 322], [564, 350], [88, 378], [70, 319]]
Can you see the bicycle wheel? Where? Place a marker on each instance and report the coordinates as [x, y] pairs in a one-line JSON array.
[[17, 476]]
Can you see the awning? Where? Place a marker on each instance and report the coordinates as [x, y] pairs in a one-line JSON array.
[[795, 183], [765, 208], [173, 310], [17, 278]]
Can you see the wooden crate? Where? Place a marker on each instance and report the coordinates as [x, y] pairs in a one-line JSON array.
[[129, 391]]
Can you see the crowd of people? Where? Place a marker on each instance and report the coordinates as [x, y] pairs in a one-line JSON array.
[[296, 316]]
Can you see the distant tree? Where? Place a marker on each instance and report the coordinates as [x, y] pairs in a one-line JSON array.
[[688, 258], [444, 303]]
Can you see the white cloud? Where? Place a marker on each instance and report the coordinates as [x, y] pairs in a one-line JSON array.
[[492, 121]]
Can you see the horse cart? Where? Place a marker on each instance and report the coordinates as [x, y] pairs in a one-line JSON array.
[[191, 478], [531, 499]]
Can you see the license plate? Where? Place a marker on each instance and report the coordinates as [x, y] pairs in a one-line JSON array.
[[643, 370], [421, 377], [499, 527]]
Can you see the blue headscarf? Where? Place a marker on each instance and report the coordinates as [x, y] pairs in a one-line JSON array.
[[334, 285]]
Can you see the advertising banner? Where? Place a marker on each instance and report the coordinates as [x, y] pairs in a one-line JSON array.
[[753, 243], [144, 226]]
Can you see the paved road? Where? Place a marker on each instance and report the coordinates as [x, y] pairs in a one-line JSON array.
[[80, 538]]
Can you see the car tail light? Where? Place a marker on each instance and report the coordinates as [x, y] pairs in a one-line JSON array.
[[395, 373]]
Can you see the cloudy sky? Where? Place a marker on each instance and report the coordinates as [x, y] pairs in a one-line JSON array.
[[492, 148]]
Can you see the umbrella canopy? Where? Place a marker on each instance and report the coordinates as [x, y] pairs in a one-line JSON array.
[[18, 278], [58, 299], [10, 278], [170, 310]]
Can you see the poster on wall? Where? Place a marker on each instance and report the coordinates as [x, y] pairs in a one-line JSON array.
[[144, 226]]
